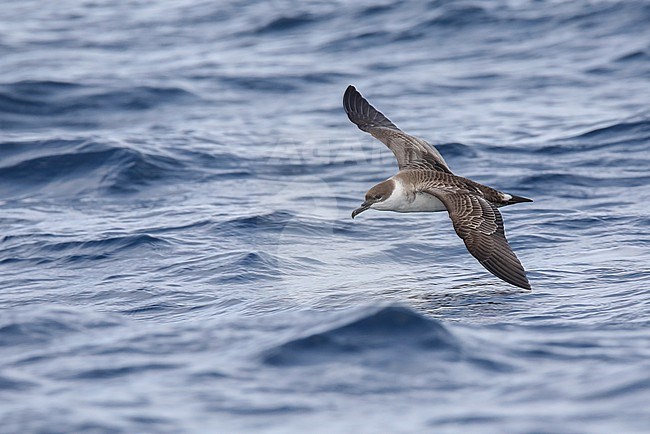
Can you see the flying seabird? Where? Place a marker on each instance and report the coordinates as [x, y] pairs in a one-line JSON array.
[[425, 183]]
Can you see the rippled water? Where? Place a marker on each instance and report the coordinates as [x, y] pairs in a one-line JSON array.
[[177, 253]]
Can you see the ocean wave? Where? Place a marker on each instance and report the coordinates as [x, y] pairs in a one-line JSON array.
[[556, 181], [35, 331], [278, 83], [287, 22], [14, 384], [391, 330], [458, 19], [621, 132], [273, 221], [455, 150], [32, 102], [28, 326], [573, 185], [112, 244], [119, 371], [247, 266], [461, 14], [71, 167], [47, 251]]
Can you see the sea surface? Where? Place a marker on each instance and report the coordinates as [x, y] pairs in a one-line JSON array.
[[176, 248]]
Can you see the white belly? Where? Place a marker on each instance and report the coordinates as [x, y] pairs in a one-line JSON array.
[[423, 203], [426, 203]]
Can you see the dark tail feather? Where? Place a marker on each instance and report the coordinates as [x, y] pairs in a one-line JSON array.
[[517, 199]]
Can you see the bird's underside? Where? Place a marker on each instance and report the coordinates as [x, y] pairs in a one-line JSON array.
[[472, 207]]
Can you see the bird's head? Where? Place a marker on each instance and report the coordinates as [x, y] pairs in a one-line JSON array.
[[376, 196]]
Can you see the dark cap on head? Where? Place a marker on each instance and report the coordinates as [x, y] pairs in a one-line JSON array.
[[378, 193]]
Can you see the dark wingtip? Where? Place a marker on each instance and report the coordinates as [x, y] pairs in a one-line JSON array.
[[349, 98], [511, 272], [525, 285], [362, 113]]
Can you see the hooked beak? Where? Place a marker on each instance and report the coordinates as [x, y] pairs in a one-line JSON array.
[[364, 206]]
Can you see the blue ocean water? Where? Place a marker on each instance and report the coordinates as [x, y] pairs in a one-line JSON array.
[[176, 248]]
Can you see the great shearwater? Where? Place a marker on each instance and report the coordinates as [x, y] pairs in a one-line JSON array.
[[425, 183]]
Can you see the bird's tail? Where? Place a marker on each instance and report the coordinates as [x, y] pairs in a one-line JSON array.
[[517, 199]]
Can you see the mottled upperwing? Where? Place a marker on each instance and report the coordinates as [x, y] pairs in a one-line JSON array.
[[407, 149], [479, 224]]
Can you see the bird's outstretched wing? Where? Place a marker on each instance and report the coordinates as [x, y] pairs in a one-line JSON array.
[[408, 150], [480, 225]]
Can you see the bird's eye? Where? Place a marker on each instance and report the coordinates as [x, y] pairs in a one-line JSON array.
[[377, 196]]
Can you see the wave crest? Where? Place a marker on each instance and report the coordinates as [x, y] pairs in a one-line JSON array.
[[386, 334]]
